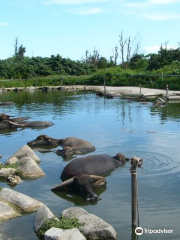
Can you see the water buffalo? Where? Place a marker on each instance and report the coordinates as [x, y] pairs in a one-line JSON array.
[[71, 145], [81, 174], [7, 122]]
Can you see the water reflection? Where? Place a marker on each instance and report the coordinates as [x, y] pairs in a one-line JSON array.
[[112, 126]]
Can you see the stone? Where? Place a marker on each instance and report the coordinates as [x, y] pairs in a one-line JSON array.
[[11, 161], [13, 180], [60, 234], [29, 168], [26, 151], [93, 227], [6, 172], [22, 201], [7, 212], [42, 215]]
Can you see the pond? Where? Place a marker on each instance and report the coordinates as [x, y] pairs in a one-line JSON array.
[[112, 126]]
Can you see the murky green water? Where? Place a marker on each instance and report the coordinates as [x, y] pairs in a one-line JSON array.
[[113, 126]]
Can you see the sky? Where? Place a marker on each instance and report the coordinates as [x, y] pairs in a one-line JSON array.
[[70, 27]]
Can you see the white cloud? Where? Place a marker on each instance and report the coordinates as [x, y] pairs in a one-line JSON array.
[[161, 16], [90, 11], [152, 49], [164, 1], [3, 24], [73, 2], [155, 48], [138, 5]]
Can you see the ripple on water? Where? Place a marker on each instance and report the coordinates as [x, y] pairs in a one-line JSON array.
[[155, 163]]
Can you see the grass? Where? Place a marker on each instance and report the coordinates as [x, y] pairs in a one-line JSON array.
[[114, 76], [14, 165], [63, 223]]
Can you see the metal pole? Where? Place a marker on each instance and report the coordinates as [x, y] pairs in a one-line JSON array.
[[135, 163], [134, 195], [140, 89]]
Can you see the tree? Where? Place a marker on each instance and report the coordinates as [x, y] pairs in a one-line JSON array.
[[19, 51], [127, 49]]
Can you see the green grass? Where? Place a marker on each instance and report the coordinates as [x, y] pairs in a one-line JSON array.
[[114, 76], [14, 165], [64, 223]]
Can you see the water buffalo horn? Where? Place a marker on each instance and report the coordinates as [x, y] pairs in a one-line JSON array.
[[95, 177], [16, 124], [63, 184]]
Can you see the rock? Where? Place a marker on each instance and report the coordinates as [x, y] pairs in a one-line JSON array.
[[26, 151], [42, 215], [0, 156], [6, 212], [13, 180], [29, 168], [93, 227], [24, 202], [11, 161], [60, 234], [6, 172]]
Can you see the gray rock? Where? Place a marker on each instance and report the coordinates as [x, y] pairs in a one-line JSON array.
[[13, 180], [26, 151], [29, 168], [11, 161], [60, 234], [23, 202], [42, 215], [6, 212], [93, 227], [6, 172]]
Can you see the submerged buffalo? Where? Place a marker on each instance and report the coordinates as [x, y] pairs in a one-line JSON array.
[[71, 145], [6, 122], [80, 175]]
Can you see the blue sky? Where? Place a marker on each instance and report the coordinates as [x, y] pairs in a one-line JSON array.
[[70, 27]]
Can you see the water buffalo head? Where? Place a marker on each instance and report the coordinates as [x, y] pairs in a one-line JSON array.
[[67, 152], [3, 116], [121, 158], [83, 185], [44, 140]]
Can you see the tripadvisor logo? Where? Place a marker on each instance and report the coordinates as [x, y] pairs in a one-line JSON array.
[[139, 231]]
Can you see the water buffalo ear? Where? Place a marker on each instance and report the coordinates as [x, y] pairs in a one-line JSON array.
[[100, 183], [76, 151], [64, 185]]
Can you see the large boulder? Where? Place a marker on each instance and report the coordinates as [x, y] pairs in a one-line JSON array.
[[93, 227], [60, 234], [26, 151], [29, 168], [7, 212], [42, 215], [23, 202]]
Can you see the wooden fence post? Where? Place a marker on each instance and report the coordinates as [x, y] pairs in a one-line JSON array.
[[104, 86]]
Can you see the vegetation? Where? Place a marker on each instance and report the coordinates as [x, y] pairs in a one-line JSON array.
[[64, 223], [152, 70], [14, 165]]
